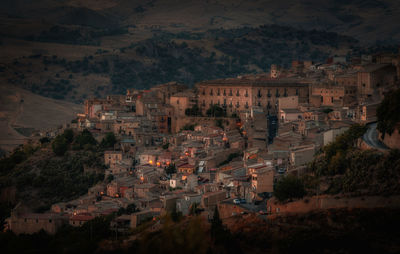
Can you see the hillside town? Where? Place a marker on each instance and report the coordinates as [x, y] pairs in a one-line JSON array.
[[222, 143]]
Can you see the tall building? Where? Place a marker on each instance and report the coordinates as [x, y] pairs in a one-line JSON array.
[[238, 95]]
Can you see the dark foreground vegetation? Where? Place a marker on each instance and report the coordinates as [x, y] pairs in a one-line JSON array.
[[58, 170], [332, 231]]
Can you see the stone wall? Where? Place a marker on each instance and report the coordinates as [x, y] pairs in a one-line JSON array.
[[309, 204], [227, 210], [178, 123]]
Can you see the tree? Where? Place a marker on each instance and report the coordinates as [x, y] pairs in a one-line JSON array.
[[68, 135], [289, 187], [388, 113], [110, 178], [109, 140], [171, 169], [216, 111], [44, 140], [193, 111], [165, 146], [85, 138], [59, 145]]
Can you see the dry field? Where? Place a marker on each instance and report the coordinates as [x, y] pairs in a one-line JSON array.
[[22, 109]]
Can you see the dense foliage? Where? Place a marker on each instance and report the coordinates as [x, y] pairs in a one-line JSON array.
[[47, 179], [332, 162], [109, 140], [388, 113], [343, 168], [193, 111], [216, 111], [84, 239], [165, 57], [289, 187]]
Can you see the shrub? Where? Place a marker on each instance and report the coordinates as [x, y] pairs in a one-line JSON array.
[[289, 187], [59, 145]]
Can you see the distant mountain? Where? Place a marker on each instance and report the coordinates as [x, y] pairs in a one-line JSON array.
[[366, 20]]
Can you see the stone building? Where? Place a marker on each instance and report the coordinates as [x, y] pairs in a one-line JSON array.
[[181, 101], [238, 95], [29, 223], [374, 78], [112, 157]]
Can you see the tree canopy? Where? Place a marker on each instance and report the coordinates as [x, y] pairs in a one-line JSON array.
[[388, 113]]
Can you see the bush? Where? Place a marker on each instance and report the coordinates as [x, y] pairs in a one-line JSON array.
[[85, 138], [60, 145], [289, 187], [193, 111], [69, 135], [109, 140], [188, 127], [44, 140], [388, 113], [216, 111]]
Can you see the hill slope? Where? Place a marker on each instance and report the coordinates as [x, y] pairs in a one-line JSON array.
[[368, 20], [24, 111]]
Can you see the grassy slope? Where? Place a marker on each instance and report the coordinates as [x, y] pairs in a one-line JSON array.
[[34, 112]]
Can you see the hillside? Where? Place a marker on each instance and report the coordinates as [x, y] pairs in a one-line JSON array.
[[78, 65], [368, 20], [21, 112], [75, 49]]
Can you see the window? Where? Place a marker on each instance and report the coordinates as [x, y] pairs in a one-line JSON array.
[[50, 221], [37, 221], [237, 93], [218, 93], [224, 92], [230, 92], [247, 94], [211, 92]]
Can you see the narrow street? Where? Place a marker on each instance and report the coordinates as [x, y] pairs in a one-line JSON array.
[[371, 137]]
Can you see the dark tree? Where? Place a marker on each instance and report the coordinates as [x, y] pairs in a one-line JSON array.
[[388, 113], [109, 140], [59, 145], [289, 187]]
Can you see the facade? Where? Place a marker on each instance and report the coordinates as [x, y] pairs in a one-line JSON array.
[[34, 222], [181, 101], [373, 78], [112, 157], [301, 155], [238, 95], [262, 179]]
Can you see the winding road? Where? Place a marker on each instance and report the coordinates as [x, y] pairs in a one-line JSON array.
[[371, 137]]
